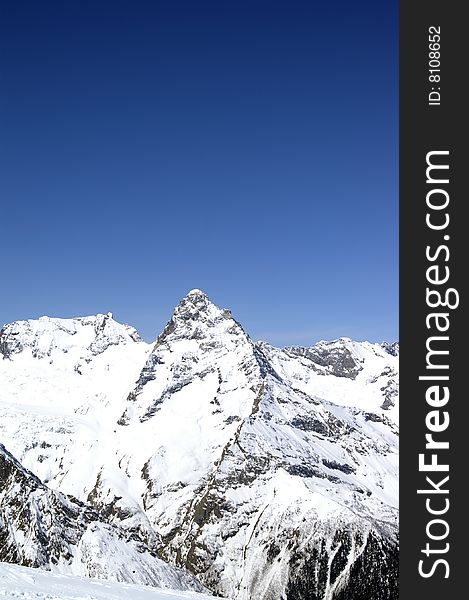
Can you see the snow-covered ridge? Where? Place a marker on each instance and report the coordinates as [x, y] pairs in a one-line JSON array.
[[247, 465], [45, 529], [47, 335]]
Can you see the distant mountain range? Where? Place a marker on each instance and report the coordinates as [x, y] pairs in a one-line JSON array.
[[202, 461]]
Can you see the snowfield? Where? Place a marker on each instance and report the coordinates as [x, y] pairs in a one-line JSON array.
[[33, 584]]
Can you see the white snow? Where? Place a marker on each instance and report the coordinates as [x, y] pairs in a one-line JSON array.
[[33, 584]]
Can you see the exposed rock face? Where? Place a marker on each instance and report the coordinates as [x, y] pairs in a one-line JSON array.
[[392, 349], [24, 503], [338, 358], [269, 473]]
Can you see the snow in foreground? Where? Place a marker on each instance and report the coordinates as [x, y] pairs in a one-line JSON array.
[[34, 584]]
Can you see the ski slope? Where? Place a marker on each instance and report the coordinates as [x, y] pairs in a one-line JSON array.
[[33, 584]]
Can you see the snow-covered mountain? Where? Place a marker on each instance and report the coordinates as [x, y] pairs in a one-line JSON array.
[[268, 473], [43, 528]]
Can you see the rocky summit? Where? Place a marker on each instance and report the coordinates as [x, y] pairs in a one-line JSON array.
[[265, 473]]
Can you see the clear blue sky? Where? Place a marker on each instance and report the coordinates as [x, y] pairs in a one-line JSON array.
[[247, 148]]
